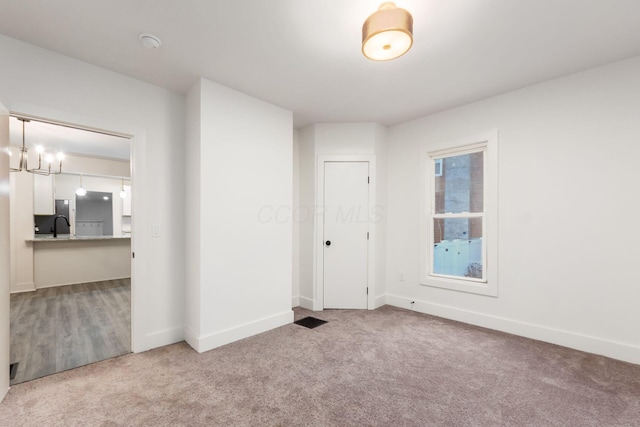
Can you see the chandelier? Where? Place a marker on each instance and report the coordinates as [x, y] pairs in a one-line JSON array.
[[43, 158]]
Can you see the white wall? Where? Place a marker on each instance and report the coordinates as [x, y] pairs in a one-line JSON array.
[[193, 197], [95, 165], [379, 214], [295, 286], [46, 84], [568, 177], [245, 200], [338, 139], [305, 212], [5, 252], [22, 228]]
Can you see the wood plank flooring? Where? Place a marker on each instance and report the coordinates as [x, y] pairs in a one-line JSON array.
[[56, 329]]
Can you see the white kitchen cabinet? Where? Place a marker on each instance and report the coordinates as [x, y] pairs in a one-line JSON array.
[[43, 201], [126, 202]]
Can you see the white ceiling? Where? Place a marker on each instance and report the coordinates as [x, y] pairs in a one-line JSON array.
[[304, 55], [54, 138]]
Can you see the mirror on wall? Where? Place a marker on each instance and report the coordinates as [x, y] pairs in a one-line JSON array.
[[94, 214]]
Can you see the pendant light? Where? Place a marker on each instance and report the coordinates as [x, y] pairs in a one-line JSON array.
[[123, 194], [81, 191], [388, 33]]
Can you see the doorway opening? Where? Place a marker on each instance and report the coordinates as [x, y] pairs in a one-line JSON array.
[[70, 255]]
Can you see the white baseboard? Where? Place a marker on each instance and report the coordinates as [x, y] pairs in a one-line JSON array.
[[23, 287], [305, 303], [379, 301], [613, 349], [218, 339], [191, 337], [55, 285], [295, 302], [161, 338]]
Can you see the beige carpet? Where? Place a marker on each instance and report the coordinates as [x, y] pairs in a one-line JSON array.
[[385, 367]]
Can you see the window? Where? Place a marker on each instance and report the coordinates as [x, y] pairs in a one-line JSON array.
[[457, 214], [459, 236], [438, 167]]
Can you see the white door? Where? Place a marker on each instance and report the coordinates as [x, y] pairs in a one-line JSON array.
[[4, 252], [346, 226]]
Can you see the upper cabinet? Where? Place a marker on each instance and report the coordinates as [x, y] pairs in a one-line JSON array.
[[43, 202], [126, 202]]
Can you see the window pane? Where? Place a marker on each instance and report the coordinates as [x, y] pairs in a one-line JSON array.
[[457, 247], [459, 183]]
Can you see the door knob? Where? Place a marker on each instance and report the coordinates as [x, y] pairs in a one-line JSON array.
[[328, 243]]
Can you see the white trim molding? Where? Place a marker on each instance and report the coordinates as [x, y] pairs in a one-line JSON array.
[[379, 301], [23, 287], [318, 285], [614, 349], [305, 302], [220, 338], [488, 286], [162, 338]]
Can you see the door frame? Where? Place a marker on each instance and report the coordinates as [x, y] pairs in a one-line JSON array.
[[137, 136], [318, 246], [5, 255]]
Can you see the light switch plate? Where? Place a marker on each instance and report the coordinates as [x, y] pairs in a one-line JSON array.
[[156, 230]]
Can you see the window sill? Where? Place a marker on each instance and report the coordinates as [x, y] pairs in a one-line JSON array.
[[461, 285]]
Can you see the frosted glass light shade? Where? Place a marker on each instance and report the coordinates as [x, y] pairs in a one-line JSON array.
[[388, 33], [81, 191]]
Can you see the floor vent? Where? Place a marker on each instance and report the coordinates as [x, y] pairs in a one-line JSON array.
[[310, 322], [13, 370]]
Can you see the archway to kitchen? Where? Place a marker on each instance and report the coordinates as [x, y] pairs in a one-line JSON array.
[[71, 294]]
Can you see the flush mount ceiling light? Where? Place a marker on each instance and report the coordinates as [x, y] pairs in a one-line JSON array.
[[150, 41], [387, 33]]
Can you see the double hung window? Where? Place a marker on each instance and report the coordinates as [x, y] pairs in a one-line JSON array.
[[457, 218], [459, 234]]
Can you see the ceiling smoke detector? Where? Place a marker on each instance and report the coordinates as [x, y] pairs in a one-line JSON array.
[[150, 41]]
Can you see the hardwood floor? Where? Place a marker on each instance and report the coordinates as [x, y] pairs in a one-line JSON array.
[[56, 329]]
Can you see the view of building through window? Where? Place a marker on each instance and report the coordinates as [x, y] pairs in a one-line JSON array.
[[458, 201]]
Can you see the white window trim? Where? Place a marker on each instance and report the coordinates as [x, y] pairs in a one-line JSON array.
[[488, 286], [439, 173], [439, 155]]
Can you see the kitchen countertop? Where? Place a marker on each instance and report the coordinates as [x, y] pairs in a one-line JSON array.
[[67, 238]]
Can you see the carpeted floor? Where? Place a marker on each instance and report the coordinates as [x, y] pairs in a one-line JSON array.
[[387, 367]]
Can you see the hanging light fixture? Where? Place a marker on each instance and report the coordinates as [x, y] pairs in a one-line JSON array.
[[81, 191], [23, 161], [388, 33], [123, 194]]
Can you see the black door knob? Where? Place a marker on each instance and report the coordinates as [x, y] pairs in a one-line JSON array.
[[328, 243]]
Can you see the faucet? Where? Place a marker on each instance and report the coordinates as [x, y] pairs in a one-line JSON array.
[[55, 224]]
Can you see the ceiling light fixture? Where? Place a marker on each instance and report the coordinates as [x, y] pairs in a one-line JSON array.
[[150, 41], [23, 164], [81, 191], [388, 33], [123, 193]]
